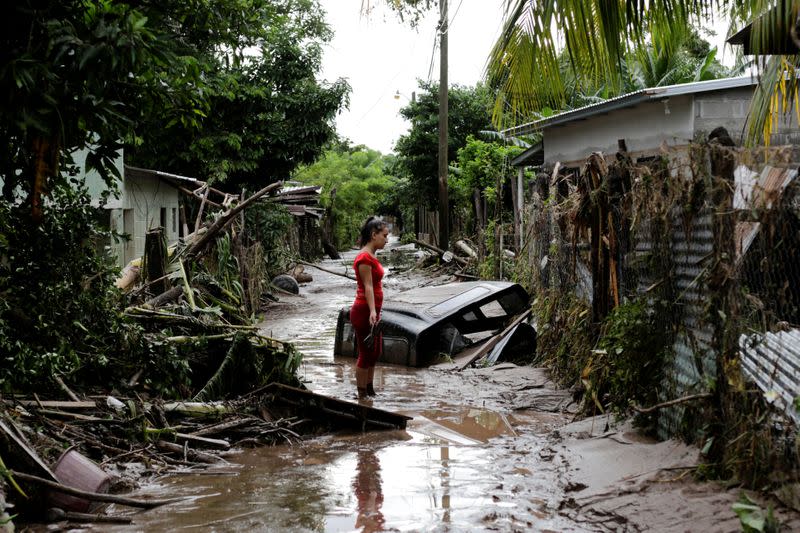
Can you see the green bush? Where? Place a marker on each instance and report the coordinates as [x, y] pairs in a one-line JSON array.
[[59, 311]]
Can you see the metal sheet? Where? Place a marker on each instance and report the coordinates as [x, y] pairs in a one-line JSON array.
[[772, 362]]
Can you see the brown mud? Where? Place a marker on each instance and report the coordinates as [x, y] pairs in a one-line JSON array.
[[489, 449]]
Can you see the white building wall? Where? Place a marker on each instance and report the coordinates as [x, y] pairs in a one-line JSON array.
[[144, 202], [643, 127]]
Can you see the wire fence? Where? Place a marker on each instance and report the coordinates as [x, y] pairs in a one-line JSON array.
[[707, 240]]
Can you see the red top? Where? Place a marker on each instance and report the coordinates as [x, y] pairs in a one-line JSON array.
[[365, 258]]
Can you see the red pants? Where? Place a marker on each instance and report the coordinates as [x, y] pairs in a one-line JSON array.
[[359, 317]]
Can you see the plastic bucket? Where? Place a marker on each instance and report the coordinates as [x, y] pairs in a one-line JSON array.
[[77, 471]]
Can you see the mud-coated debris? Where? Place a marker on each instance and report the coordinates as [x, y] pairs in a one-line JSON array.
[[574, 487], [287, 283], [55, 514]]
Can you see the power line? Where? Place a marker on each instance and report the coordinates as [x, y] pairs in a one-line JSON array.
[[455, 14], [433, 54]]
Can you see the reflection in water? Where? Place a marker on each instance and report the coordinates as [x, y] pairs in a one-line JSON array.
[[444, 454], [368, 491]]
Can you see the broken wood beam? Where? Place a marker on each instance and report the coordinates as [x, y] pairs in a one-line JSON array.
[[216, 443], [56, 404], [486, 348]]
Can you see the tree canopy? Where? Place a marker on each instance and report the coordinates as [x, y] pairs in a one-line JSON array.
[[417, 150], [355, 184], [267, 111]]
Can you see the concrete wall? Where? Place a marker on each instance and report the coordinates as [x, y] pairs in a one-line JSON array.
[[723, 108], [145, 203], [730, 109], [643, 127]]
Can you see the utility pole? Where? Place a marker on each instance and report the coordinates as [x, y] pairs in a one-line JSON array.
[[444, 218]]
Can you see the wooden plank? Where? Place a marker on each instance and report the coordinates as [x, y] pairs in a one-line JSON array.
[[216, 443], [57, 404], [333, 410], [485, 348], [32, 456]]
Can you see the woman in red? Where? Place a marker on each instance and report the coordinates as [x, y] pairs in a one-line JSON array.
[[366, 310]]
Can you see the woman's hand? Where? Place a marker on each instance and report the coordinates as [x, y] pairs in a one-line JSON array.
[[373, 318]]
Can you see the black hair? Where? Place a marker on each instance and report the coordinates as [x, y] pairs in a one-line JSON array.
[[372, 225]]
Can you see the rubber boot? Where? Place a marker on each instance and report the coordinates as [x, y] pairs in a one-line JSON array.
[[362, 393], [371, 390]]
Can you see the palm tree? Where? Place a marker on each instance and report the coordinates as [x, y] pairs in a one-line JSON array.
[[597, 37]]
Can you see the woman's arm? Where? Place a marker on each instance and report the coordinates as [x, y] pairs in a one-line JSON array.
[[365, 273]]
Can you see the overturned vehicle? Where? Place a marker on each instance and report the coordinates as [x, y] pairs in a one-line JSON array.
[[425, 325]]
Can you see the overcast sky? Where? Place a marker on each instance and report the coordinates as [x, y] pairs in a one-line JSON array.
[[379, 55]]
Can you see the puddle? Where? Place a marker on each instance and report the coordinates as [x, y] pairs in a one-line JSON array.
[[464, 464]]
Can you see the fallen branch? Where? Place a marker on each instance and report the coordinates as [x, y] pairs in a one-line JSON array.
[[227, 217], [326, 270], [168, 296], [217, 443], [670, 403], [195, 455], [94, 496], [66, 389], [55, 514]]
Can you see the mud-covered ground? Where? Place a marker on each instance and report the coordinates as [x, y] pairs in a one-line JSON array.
[[488, 449]]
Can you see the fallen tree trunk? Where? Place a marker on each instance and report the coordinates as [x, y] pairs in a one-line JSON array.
[[165, 297]]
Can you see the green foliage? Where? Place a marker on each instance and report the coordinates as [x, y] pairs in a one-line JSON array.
[[753, 518], [624, 366], [57, 311], [267, 113], [249, 364], [80, 74], [359, 185], [268, 224], [549, 57], [417, 151], [481, 163], [628, 365], [564, 335]]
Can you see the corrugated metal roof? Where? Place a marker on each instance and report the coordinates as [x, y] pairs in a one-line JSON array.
[[772, 361], [149, 173], [630, 100]]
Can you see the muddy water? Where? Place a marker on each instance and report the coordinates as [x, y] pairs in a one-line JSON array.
[[465, 462]]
